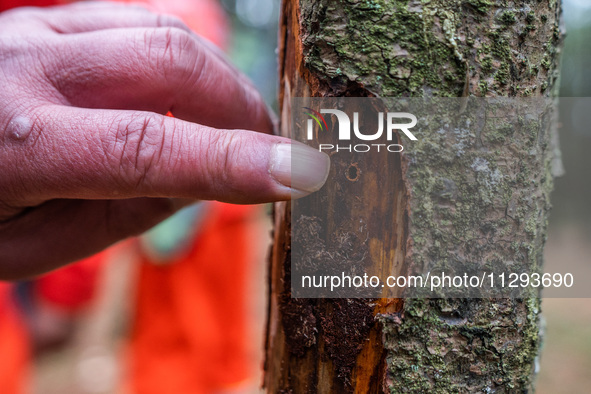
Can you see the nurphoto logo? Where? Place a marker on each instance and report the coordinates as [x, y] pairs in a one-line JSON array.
[[402, 121]]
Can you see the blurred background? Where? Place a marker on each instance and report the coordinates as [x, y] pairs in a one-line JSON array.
[[83, 347], [566, 358]]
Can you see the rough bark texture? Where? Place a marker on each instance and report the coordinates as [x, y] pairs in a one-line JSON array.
[[490, 202]]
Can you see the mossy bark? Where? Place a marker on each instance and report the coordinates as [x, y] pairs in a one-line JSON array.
[[491, 202]]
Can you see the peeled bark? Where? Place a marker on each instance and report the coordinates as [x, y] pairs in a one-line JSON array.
[[445, 48]]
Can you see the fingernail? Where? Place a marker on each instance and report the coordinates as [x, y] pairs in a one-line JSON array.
[[299, 167]]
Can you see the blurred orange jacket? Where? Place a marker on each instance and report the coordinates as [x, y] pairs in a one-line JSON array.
[[190, 331]]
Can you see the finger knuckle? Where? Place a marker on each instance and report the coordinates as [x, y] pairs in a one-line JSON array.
[[137, 147], [222, 158], [173, 52], [165, 20]]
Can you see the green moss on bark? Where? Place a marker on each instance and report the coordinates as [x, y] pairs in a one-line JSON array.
[[411, 48], [473, 197]]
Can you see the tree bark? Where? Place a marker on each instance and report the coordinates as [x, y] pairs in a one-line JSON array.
[[446, 48]]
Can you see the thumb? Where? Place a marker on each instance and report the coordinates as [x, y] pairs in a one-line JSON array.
[[106, 154]]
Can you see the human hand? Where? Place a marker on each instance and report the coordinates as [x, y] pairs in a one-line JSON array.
[[87, 155]]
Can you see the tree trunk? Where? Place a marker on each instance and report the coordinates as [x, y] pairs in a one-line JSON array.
[[448, 48]]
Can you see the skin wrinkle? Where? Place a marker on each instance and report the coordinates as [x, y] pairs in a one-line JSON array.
[[68, 77], [53, 26], [198, 79], [108, 155], [44, 59], [232, 146], [209, 162], [142, 170], [36, 130], [147, 47], [169, 48], [120, 148], [172, 137], [167, 132], [151, 150], [88, 76], [196, 64], [158, 143], [189, 61]]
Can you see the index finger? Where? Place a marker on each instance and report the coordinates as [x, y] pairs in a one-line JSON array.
[[158, 70]]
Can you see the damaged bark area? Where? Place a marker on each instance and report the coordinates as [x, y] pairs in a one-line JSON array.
[[489, 202]]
